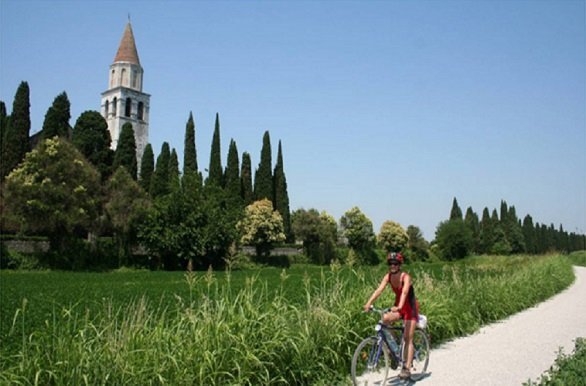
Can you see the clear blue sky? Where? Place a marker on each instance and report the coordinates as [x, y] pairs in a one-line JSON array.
[[395, 107]]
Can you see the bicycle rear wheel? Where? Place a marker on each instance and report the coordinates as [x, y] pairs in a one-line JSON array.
[[368, 366], [420, 354]]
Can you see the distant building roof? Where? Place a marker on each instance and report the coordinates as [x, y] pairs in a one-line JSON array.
[[127, 50]]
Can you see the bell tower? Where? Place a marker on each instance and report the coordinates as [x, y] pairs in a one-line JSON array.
[[124, 101]]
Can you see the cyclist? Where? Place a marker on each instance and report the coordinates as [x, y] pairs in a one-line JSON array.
[[406, 306]]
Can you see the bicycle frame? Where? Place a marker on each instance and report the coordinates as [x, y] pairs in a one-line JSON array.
[[380, 331]]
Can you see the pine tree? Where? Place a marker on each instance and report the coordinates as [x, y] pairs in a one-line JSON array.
[[174, 172], [16, 143], [160, 185], [263, 178], [147, 166], [232, 174], [125, 154], [456, 212], [215, 176], [281, 198], [57, 118], [247, 193], [189, 152], [91, 137]]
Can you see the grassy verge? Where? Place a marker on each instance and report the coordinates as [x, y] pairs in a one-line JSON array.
[[578, 258], [296, 326], [567, 369]]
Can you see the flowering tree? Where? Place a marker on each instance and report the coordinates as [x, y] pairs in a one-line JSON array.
[[55, 191], [392, 237], [261, 226]]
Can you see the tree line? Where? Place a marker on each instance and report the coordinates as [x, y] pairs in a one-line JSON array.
[[500, 233], [67, 184]]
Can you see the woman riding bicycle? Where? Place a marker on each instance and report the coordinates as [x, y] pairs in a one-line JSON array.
[[406, 306]]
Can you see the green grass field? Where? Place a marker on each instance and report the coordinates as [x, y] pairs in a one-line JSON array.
[[266, 326]]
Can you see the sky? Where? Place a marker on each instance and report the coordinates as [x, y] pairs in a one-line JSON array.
[[395, 107]]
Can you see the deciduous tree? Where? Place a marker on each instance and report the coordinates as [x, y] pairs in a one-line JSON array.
[[261, 226], [357, 229], [454, 239], [55, 191], [126, 206], [392, 237]]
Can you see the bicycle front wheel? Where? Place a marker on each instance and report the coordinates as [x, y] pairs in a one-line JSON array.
[[370, 363], [420, 354]]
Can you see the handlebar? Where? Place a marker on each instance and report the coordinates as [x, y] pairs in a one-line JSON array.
[[381, 311]]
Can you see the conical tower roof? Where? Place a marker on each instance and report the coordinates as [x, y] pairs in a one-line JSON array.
[[127, 49]]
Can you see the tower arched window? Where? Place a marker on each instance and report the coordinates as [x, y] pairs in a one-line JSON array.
[[128, 107], [123, 77], [134, 78], [140, 111], [114, 106], [107, 108]]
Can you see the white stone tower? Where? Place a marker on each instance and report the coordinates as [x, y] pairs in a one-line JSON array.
[[124, 100]]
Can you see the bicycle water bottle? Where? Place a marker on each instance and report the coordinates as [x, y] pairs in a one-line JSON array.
[[392, 342]]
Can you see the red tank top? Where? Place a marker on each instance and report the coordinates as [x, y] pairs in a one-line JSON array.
[[410, 310]]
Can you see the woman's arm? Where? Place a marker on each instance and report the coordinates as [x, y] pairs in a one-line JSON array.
[[377, 292]]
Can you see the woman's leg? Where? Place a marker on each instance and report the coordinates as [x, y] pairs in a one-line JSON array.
[[408, 338], [391, 317]]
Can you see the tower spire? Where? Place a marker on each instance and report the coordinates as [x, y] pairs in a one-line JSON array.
[[127, 50]]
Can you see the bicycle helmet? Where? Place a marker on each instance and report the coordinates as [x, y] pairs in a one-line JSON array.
[[394, 257]]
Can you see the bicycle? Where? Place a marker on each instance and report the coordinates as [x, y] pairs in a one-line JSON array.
[[371, 359]]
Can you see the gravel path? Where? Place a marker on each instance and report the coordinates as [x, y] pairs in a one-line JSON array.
[[510, 352]]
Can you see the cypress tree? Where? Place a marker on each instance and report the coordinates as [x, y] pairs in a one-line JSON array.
[[160, 180], [247, 193], [529, 234], [263, 178], [471, 221], [57, 118], [147, 166], [486, 232], [215, 171], [514, 232], [232, 174], [456, 212], [16, 143], [92, 138], [281, 198], [174, 172], [125, 154], [3, 123], [189, 152], [504, 213]]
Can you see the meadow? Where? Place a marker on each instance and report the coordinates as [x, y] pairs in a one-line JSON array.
[[264, 326]]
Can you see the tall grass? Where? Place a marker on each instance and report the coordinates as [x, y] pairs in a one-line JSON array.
[[219, 333]]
